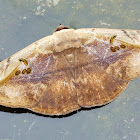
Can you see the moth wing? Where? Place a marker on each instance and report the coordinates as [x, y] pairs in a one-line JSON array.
[[20, 90], [124, 63], [94, 86]]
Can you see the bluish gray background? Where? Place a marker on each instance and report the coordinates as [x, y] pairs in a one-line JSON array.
[[24, 21]]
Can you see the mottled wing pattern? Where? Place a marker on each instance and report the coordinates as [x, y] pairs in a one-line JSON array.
[[124, 63], [70, 69], [107, 72], [94, 86], [59, 96], [23, 90]]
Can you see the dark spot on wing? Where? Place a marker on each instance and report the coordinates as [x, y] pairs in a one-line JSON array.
[[23, 71], [28, 71], [112, 49], [123, 46], [17, 72], [24, 61]]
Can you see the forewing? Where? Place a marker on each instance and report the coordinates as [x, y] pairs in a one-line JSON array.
[[21, 81], [118, 57], [104, 72]]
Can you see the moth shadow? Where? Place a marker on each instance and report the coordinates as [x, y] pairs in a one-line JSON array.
[[22, 110]]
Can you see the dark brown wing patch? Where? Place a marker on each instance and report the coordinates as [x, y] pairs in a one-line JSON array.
[[95, 87], [76, 82], [60, 96]]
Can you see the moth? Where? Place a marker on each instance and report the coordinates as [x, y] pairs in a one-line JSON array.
[[70, 69]]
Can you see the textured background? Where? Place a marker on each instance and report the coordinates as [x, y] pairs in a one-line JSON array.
[[24, 21]]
